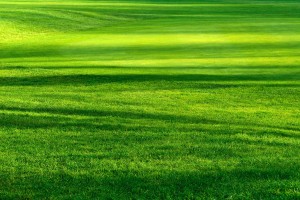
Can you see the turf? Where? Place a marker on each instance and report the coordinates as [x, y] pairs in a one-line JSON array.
[[149, 99]]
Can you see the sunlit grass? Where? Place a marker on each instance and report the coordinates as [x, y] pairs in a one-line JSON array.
[[149, 99]]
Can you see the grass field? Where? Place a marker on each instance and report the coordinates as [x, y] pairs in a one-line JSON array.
[[149, 99]]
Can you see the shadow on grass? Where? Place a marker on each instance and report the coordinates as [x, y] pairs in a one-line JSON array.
[[175, 68], [159, 68], [206, 50], [152, 78], [271, 182], [130, 121]]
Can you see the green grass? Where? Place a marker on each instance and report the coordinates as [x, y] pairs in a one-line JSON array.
[[149, 99]]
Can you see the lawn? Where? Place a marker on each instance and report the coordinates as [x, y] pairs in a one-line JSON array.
[[149, 99]]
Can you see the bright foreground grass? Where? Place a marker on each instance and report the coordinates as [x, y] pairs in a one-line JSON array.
[[149, 100]]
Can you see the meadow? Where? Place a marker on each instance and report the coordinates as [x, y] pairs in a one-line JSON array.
[[149, 99]]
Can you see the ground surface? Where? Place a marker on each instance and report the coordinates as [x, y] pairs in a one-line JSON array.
[[149, 99]]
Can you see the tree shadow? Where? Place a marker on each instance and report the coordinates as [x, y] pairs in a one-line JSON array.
[[150, 51], [241, 183], [128, 121], [86, 79]]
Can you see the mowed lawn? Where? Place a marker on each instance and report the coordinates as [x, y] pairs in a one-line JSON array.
[[149, 99]]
